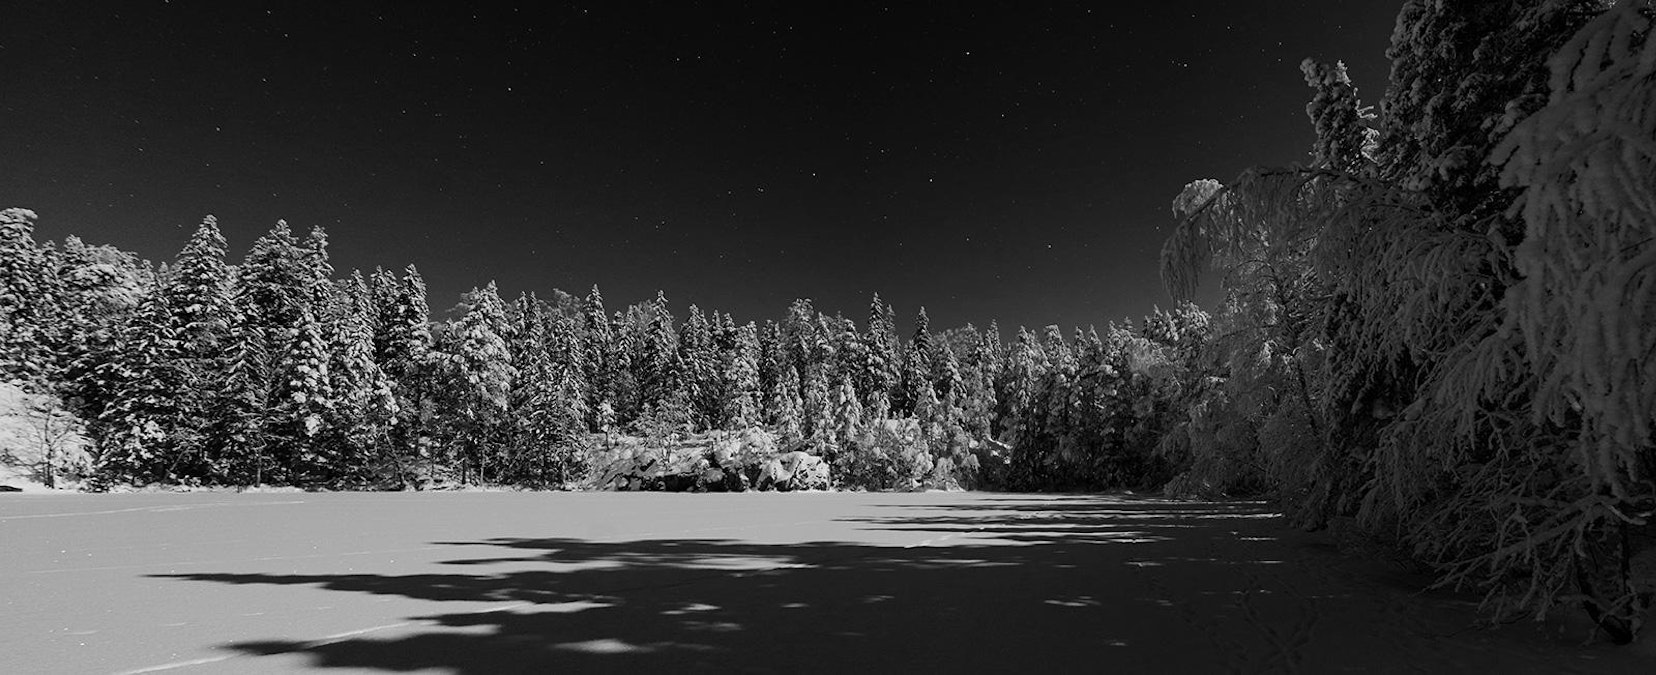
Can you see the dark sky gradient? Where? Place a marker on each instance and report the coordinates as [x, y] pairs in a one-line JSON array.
[[1010, 163]]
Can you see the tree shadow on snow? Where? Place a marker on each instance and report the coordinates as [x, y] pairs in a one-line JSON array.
[[1071, 583]]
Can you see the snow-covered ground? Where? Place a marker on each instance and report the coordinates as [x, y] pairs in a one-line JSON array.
[[487, 582]]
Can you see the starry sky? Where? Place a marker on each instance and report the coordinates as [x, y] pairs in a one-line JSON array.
[[1007, 162]]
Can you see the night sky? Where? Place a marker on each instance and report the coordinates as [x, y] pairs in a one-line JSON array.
[[1013, 163]]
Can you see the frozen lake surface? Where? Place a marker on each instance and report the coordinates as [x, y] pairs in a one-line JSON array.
[[485, 582]]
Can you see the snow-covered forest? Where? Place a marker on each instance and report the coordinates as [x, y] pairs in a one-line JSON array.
[[275, 369], [1438, 331]]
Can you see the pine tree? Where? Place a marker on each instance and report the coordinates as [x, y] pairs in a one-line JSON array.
[[480, 374], [882, 371], [1463, 75], [101, 287], [624, 364], [140, 430], [785, 410], [935, 418], [848, 413], [994, 352], [1019, 387], [741, 388], [28, 302], [659, 371], [1054, 397], [917, 364], [699, 372], [724, 332], [818, 411], [383, 291], [599, 367], [823, 351], [977, 401], [403, 351], [568, 350], [302, 401], [318, 271], [366, 404], [798, 333], [548, 401], [233, 433], [1343, 143], [200, 291], [946, 374], [276, 281]]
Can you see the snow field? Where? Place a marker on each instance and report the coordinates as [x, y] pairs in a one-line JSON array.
[[628, 582]]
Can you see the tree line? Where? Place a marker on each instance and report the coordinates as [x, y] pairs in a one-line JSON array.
[[275, 370]]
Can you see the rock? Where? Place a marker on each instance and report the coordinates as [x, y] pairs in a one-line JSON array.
[[795, 470], [811, 473], [714, 480], [8, 488], [772, 475]]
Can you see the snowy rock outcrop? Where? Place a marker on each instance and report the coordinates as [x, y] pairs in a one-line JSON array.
[[747, 460], [794, 471]]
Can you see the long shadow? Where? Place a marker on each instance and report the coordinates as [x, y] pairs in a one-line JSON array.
[[1070, 584]]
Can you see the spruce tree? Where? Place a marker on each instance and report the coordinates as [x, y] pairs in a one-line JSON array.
[[318, 270], [1343, 144], [659, 368], [302, 402], [742, 393], [917, 364], [1054, 397], [1463, 76], [598, 367], [773, 360], [946, 373], [403, 351], [1019, 388], [818, 411], [28, 302], [847, 422], [798, 332], [569, 350], [977, 399], [479, 376], [366, 404], [383, 289], [200, 291], [548, 402], [784, 409], [624, 364], [234, 434], [100, 287], [882, 371], [276, 281], [140, 431], [699, 369]]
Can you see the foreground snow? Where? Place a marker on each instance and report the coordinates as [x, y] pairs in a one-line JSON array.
[[486, 582]]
